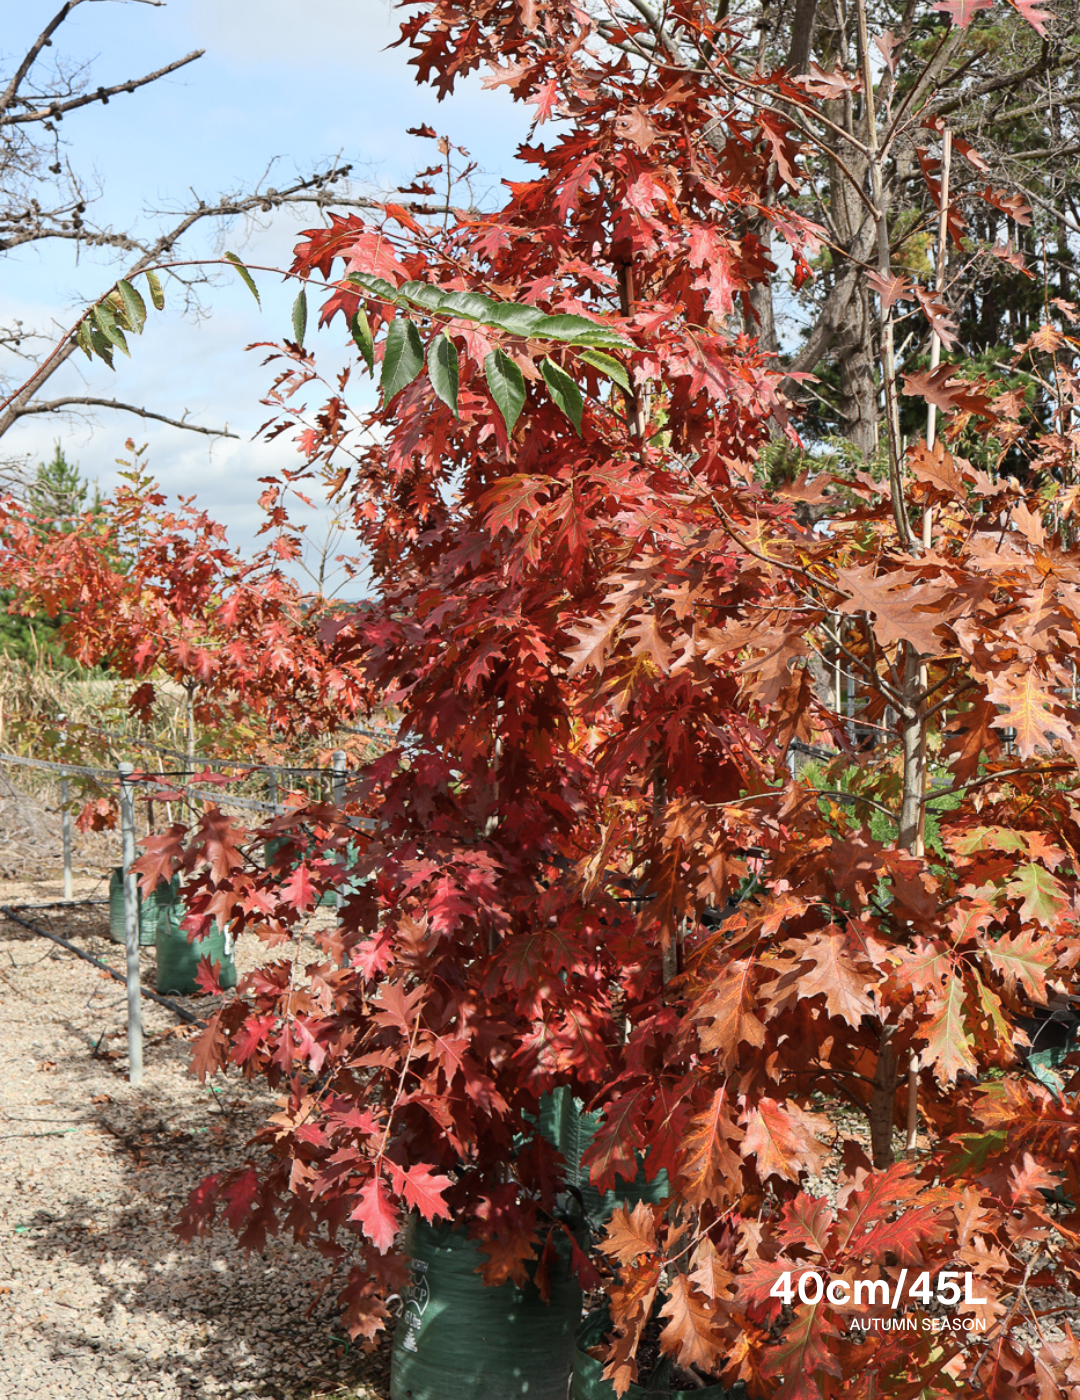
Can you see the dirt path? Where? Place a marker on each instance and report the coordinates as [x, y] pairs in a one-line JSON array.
[[97, 1297]]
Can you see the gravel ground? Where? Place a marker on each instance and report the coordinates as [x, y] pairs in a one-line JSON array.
[[97, 1297]]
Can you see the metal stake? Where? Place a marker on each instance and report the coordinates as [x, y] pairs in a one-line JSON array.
[[131, 926], [65, 830]]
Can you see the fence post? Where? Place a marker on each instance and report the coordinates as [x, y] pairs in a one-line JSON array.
[[65, 833], [337, 792], [131, 926]]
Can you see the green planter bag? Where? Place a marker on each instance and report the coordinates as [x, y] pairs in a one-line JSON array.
[[589, 1384], [178, 960], [154, 909], [327, 900], [460, 1340], [566, 1125]]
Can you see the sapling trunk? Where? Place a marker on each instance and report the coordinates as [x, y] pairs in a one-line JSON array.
[[883, 1100], [909, 838]]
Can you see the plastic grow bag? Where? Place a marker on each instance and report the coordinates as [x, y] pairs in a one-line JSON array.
[[154, 909], [178, 960], [563, 1121], [328, 899], [457, 1339]]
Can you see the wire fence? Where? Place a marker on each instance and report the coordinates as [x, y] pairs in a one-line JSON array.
[[129, 781]]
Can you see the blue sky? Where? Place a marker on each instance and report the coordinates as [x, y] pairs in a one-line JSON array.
[[297, 83]]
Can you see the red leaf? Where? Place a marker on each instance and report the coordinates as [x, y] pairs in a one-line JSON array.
[[207, 977], [422, 1189], [240, 1194], [962, 12], [1035, 17], [376, 1214], [298, 889], [781, 1139]]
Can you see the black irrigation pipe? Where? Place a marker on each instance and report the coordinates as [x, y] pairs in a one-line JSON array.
[[178, 1010]]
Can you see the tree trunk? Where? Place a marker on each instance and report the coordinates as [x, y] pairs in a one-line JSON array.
[[858, 389], [883, 1101]]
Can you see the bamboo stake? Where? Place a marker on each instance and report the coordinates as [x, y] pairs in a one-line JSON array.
[[935, 339], [337, 789], [927, 543], [884, 267]]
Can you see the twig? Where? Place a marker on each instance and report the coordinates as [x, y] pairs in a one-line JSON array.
[[101, 94], [58, 405]]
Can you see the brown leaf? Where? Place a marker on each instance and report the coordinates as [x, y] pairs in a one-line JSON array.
[[711, 1171], [781, 1138], [635, 126], [826, 967], [887, 43], [936, 467], [727, 1019], [834, 84], [690, 1335], [897, 609], [949, 393], [793, 712], [1027, 709], [890, 289], [630, 1234]]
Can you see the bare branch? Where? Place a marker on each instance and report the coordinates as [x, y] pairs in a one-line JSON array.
[[42, 41], [59, 405], [101, 94], [313, 190]]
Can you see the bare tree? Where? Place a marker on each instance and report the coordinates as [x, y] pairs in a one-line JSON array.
[[44, 197]]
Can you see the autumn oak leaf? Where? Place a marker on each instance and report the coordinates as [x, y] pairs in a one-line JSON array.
[[298, 890], [376, 1214]]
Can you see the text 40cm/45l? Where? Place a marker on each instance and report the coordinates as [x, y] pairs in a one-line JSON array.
[[947, 1288]]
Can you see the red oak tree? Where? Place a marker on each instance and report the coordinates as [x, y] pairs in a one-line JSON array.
[[600, 629]]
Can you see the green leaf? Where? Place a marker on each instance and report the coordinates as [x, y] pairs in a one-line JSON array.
[[133, 305], [376, 286], [507, 385], [361, 333], [609, 366], [564, 391], [82, 339], [103, 347], [516, 320], [299, 317], [421, 294], [105, 320], [403, 357], [157, 295], [578, 330], [472, 306], [610, 340], [443, 371], [248, 280]]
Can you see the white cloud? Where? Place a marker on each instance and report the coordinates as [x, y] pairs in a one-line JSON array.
[[326, 34]]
